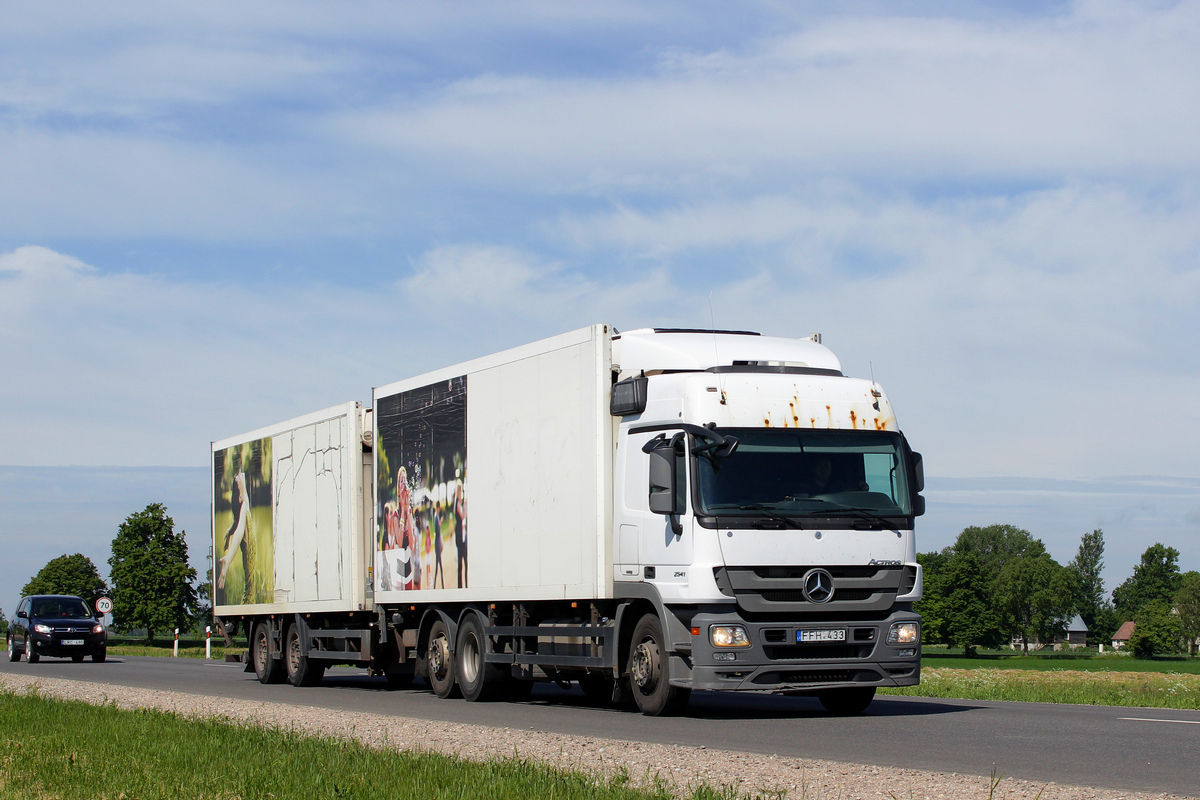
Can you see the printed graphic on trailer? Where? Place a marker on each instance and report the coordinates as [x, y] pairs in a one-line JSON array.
[[243, 538], [421, 458]]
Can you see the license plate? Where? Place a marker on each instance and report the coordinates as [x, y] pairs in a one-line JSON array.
[[838, 635], [72, 641]]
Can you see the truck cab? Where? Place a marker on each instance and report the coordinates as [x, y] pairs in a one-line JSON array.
[[764, 502]]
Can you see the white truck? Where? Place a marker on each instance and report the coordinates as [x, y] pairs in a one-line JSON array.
[[645, 513]]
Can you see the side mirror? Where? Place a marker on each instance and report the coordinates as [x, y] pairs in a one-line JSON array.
[[22, 615], [918, 473], [668, 481], [918, 504]]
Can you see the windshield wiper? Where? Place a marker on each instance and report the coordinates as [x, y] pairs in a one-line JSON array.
[[861, 513], [758, 508]]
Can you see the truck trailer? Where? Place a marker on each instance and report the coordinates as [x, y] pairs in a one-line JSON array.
[[645, 513]]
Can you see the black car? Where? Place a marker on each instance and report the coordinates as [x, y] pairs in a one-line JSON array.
[[59, 625]]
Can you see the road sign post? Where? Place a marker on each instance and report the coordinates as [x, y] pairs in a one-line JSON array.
[[207, 642], [177, 642]]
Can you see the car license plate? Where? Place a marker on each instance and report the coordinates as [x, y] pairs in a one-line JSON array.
[[838, 635], [72, 641]]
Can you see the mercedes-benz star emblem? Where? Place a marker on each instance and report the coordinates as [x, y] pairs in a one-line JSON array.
[[818, 586]]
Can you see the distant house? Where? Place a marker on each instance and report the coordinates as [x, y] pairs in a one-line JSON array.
[[1123, 635], [1077, 631]]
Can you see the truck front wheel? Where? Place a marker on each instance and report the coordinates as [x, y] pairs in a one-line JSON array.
[[649, 671], [301, 670], [268, 669], [847, 701], [440, 661]]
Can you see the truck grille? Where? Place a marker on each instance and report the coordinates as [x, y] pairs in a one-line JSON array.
[[805, 676], [860, 592]]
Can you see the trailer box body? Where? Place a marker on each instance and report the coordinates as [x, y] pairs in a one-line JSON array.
[[494, 477], [289, 532]]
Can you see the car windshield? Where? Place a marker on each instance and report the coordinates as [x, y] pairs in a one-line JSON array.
[[61, 608], [807, 473]]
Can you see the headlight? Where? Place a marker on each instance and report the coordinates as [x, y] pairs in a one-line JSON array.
[[40, 628], [97, 628], [728, 636], [904, 633]]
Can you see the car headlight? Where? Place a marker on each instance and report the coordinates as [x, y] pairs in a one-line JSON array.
[[40, 628], [97, 628], [728, 636], [904, 633]]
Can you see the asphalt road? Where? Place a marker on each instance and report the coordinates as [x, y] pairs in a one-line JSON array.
[[1142, 749]]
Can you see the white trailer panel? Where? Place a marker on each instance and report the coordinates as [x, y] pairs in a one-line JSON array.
[[492, 477], [288, 521]]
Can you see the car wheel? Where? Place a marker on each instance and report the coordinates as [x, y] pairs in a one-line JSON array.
[[13, 653], [649, 671], [847, 701], [31, 655], [99, 656], [440, 662], [268, 669]]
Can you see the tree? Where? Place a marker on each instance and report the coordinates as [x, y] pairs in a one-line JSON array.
[[1088, 563], [152, 581], [1187, 606], [996, 545], [75, 575], [1154, 580], [1034, 597], [931, 606], [969, 620], [1157, 630], [3, 623]]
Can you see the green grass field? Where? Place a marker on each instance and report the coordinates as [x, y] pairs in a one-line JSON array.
[[188, 648], [1086, 661], [64, 749]]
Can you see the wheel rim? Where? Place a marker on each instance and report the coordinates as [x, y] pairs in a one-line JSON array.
[[470, 658], [294, 654], [28, 647], [260, 650], [646, 665], [438, 652]]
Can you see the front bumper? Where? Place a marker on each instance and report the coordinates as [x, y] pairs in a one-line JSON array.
[[51, 644], [776, 663]]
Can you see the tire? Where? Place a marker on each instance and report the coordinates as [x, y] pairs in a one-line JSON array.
[[301, 670], [650, 673], [440, 662], [268, 669], [13, 653], [847, 701], [99, 656], [78, 659], [597, 688], [31, 655], [477, 679]]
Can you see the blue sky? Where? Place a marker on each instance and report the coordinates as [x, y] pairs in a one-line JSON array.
[[218, 217]]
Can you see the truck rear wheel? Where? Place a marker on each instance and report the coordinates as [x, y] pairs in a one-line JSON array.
[[650, 673], [440, 661], [268, 669], [478, 679], [847, 701], [301, 670]]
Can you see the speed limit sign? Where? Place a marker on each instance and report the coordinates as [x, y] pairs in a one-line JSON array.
[[103, 605]]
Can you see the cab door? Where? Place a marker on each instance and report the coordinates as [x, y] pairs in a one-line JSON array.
[[658, 542]]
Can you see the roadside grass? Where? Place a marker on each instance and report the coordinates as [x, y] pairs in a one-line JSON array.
[[53, 748], [188, 648], [1084, 661], [1083, 687]]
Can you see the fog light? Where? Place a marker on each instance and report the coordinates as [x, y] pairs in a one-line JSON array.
[[724, 656], [909, 653], [904, 633], [728, 636]]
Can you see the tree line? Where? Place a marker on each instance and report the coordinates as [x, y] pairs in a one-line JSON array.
[[997, 584], [152, 583]]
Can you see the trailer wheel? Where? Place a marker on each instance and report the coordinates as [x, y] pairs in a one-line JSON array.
[[847, 701], [478, 679], [649, 671], [301, 670], [440, 661], [268, 669]]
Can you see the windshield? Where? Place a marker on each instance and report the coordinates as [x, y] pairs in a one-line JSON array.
[[797, 473], [61, 608]]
